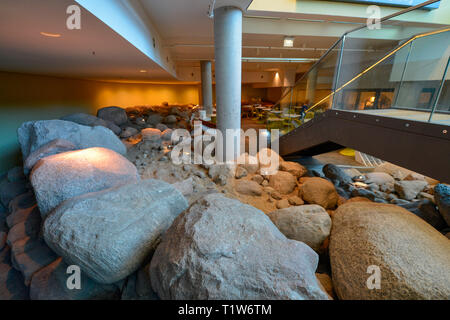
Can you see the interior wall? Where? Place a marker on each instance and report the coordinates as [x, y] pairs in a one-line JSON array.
[[249, 93], [274, 94], [31, 97]]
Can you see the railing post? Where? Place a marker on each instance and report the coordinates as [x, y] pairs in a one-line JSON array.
[[338, 71], [438, 95]]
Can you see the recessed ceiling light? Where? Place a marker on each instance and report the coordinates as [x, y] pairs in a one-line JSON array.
[[51, 35], [288, 42]]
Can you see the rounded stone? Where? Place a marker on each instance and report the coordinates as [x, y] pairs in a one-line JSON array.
[[221, 248], [411, 256]]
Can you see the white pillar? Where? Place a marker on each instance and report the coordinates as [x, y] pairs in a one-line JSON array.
[[228, 54], [207, 98]]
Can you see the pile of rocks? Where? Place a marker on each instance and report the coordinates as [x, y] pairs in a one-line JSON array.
[[83, 204], [80, 202], [100, 193]]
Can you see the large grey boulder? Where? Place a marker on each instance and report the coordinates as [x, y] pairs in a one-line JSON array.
[[170, 119], [70, 174], [35, 134], [442, 197], [110, 233], [53, 147], [92, 121], [412, 256], [221, 248], [116, 115], [50, 283], [310, 224]]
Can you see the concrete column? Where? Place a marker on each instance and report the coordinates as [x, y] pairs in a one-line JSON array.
[[228, 54], [207, 98]]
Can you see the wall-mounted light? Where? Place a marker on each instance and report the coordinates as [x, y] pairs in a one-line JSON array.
[[288, 42], [277, 77], [143, 71], [51, 35]]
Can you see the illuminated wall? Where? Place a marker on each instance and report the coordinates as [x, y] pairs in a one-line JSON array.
[[27, 97]]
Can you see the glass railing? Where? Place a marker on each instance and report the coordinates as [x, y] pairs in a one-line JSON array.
[[397, 70]]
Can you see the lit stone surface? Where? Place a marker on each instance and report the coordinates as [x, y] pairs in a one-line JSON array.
[[413, 257], [110, 233], [70, 174]]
